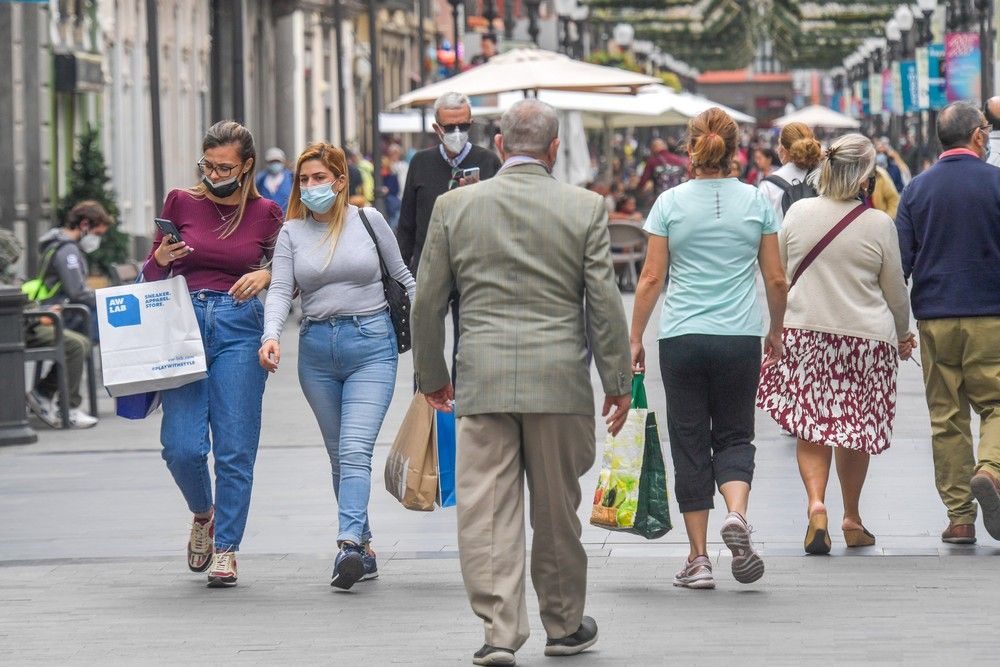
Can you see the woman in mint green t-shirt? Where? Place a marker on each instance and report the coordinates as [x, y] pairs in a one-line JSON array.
[[709, 233]]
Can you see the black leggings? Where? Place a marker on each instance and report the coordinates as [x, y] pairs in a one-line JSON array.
[[710, 384]]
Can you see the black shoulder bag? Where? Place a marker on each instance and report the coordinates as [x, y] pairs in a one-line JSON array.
[[395, 295]]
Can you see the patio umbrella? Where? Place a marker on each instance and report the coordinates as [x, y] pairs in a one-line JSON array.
[[819, 116], [529, 70], [653, 106]]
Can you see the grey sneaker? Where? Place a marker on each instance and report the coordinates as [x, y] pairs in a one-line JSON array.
[[696, 573], [493, 655], [748, 566]]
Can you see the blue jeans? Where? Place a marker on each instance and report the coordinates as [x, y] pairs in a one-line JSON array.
[[347, 369], [227, 405]]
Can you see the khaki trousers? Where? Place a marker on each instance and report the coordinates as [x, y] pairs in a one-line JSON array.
[[495, 454], [961, 362]]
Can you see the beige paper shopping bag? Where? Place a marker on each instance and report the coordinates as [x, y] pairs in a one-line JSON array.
[[411, 470]]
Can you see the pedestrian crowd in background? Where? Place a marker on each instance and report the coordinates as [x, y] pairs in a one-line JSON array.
[[834, 230]]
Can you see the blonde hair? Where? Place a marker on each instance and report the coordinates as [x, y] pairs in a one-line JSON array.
[[335, 160], [226, 133], [848, 164], [712, 140], [801, 145]]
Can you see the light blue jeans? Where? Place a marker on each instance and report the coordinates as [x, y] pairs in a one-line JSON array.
[[347, 369], [220, 413]]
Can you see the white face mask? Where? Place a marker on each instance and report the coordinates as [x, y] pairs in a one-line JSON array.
[[90, 243], [455, 141]]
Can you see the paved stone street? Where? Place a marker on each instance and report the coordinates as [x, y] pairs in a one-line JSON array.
[[92, 531]]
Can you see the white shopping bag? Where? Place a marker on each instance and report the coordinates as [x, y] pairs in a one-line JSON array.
[[150, 338]]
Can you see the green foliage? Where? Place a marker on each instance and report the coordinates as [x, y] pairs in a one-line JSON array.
[[89, 179], [626, 62]]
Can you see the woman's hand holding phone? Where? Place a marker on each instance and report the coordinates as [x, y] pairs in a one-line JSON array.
[[168, 251]]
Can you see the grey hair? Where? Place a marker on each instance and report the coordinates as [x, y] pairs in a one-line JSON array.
[[528, 128], [956, 123], [451, 101], [848, 164]]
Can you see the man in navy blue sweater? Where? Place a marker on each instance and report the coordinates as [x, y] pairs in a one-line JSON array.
[[949, 235]]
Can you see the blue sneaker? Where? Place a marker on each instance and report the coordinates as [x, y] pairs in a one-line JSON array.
[[349, 566], [371, 567]]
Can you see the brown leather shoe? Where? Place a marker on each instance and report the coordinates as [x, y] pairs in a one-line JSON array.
[[960, 533], [986, 489]]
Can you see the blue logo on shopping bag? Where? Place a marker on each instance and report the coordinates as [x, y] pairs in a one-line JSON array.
[[123, 311]]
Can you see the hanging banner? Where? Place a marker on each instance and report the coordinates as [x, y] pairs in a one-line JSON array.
[[864, 97], [908, 86], [963, 64], [923, 78], [888, 106], [936, 77], [896, 82], [874, 94]]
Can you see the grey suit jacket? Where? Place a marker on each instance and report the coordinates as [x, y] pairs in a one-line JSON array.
[[526, 253]]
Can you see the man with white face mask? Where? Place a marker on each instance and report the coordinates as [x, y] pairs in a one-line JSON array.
[[436, 170], [63, 255]]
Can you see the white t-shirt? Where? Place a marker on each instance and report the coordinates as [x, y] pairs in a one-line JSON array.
[[791, 175]]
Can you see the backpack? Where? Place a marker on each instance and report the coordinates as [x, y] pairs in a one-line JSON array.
[[36, 289], [793, 191]]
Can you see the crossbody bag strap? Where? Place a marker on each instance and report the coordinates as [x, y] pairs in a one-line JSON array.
[[827, 240], [378, 251]]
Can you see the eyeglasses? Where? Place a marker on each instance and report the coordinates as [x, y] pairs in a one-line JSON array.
[[457, 127], [221, 170], [986, 127]]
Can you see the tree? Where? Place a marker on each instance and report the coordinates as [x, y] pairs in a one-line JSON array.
[[89, 180]]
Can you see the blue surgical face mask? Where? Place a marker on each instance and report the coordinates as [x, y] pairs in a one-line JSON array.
[[275, 167], [882, 160], [319, 198]]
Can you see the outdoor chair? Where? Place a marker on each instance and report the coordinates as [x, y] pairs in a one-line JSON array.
[[628, 247], [56, 353], [124, 274]]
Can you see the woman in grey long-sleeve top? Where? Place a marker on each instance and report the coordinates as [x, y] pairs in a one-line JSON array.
[[347, 345]]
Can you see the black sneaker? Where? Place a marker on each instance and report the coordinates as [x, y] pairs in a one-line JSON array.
[[349, 566], [492, 655], [578, 642]]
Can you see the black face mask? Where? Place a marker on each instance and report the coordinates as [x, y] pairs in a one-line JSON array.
[[223, 189]]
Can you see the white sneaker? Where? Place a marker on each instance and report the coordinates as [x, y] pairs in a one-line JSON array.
[[45, 408], [80, 419]]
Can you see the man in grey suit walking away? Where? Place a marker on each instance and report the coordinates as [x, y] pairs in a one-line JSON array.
[[526, 255]]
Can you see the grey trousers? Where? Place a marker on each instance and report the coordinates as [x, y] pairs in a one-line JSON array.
[[496, 452]]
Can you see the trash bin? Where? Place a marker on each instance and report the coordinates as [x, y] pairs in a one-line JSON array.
[[14, 427]]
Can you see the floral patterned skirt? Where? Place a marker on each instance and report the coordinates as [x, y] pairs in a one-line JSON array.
[[833, 390]]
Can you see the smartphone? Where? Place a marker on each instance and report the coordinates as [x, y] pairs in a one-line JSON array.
[[169, 229], [471, 175]]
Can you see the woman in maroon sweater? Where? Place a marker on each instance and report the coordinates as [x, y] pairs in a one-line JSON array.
[[228, 232]]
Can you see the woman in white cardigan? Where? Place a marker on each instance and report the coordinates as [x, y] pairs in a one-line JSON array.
[[846, 327]]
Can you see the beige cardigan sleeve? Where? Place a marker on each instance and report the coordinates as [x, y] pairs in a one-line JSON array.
[[891, 281]]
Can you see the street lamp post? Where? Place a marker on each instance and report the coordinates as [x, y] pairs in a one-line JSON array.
[[455, 4], [376, 85], [926, 132], [894, 37], [422, 45], [338, 26], [905, 19], [985, 10], [490, 14], [532, 6], [876, 56]]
